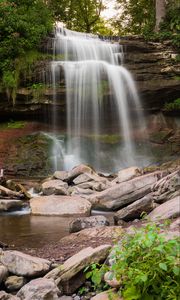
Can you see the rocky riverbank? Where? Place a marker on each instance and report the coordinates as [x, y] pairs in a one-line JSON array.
[[56, 270]]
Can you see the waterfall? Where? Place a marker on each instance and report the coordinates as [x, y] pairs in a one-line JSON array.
[[100, 94]]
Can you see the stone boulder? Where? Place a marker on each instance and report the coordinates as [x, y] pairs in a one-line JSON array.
[[127, 174], [3, 273], [62, 175], [87, 222], [8, 205], [167, 210], [75, 190], [64, 206], [93, 185], [76, 171], [22, 264], [135, 209], [167, 188], [41, 289], [111, 280], [122, 194], [91, 177], [14, 283], [56, 187], [5, 296], [69, 276]]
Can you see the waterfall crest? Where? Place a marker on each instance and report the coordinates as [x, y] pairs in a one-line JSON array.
[[100, 93]]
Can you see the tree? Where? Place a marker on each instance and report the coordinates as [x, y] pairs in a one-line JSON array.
[[135, 16], [23, 23], [81, 15], [160, 13]]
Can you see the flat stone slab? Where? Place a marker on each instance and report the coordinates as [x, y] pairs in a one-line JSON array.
[[167, 210], [64, 206], [135, 209], [67, 276], [122, 194]]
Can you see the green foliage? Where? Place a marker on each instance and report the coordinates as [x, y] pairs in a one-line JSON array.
[[37, 90], [95, 272], [13, 125], [135, 17], [147, 266], [22, 26], [169, 28], [81, 15], [175, 105]]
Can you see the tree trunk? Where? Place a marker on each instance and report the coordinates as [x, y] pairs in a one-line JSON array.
[[160, 13]]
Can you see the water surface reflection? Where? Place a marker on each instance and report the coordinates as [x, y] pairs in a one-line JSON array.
[[32, 231]]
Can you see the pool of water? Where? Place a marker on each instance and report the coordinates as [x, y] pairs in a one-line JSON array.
[[24, 230], [21, 230]]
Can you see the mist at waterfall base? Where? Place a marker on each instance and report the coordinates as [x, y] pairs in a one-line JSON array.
[[105, 123]]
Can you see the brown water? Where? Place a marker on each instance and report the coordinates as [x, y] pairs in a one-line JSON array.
[[32, 231]]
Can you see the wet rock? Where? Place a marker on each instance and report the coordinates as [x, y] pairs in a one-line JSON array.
[[56, 187], [127, 174], [22, 264], [135, 209], [41, 289], [167, 210], [5, 296], [87, 222], [60, 205], [14, 283], [3, 273], [124, 193], [10, 204], [69, 276]]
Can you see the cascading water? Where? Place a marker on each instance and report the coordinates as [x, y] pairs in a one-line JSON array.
[[100, 97]]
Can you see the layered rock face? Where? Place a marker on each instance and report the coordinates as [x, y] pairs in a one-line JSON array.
[[155, 71]]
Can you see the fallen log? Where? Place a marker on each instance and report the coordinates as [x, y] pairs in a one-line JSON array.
[[9, 193]]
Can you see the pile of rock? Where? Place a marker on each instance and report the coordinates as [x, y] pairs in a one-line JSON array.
[[34, 278], [128, 195]]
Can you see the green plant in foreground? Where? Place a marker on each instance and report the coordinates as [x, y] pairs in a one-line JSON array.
[[147, 265]]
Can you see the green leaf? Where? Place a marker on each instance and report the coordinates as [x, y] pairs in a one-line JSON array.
[[131, 293], [176, 270], [163, 266]]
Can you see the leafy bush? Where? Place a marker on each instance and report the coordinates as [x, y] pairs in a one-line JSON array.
[[22, 27], [147, 266]]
